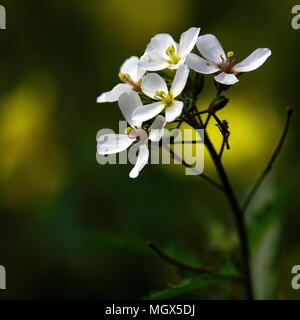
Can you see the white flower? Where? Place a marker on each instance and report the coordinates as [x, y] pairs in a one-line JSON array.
[[163, 52], [154, 86], [131, 75], [114, 143], [216, 60]]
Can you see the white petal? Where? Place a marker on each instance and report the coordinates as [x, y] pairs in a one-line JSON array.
[[254, 61], [114, 94], [141, 161], [160, 43], [130, 66], [152, 83], [156, 131], [152, 62], [226, 78], [201, 65], [180, 80], [210, 47], [174, 111], [148, 111], [113, 143], [187, 41], [128, 102]]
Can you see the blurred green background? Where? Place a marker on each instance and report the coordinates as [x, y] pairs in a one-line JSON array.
[[70, 228]]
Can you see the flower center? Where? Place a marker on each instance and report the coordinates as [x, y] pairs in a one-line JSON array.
[[137, 133], [173, 59], [167, 98], [125, 77], [227, 64]]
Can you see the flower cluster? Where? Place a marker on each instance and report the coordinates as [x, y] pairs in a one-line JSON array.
[[166, 93]]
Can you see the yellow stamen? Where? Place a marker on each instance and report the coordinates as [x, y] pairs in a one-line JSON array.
[[166, 98], [230, 54], [127, 130], [173, 59], [159, 95], [124, 77]]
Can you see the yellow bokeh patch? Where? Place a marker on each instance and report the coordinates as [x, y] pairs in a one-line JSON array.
[[31, 159]]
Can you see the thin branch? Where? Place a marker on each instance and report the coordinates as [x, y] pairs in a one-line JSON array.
[[238, 213], [198, 115], [201, 112], [222, 147], [178, 263], [202, 175], [271, 162], [207, 121]]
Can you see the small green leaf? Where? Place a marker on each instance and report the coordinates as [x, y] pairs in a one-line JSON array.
[[190, 286]]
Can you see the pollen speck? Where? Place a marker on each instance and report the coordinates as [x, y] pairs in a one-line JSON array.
[[207, 63]]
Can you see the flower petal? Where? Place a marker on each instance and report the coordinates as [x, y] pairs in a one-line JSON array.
[[156, 131], [254, 61], [152, 83], [201, 65], [148, 111], [130, 66], [187, 41], [113, 143], [160, 43], [210, 47], [128, 102], [141, 161], [174, 111], [180, 80], [152, 62], [114, 94], [226, 78]]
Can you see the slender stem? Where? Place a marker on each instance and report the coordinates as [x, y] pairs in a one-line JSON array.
[[178, 263], [201, 112], [219, 92], [222, 147], [271, 162], [207, 120], [197, 114], [201, 175], [238, 213]]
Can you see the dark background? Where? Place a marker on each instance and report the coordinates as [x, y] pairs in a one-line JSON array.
[[70, 228]]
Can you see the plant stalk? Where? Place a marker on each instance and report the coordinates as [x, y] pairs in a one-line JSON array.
[[237, 211]]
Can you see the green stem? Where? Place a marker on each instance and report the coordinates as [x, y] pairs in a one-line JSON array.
[[178, 263], [222, 147], [237, 211], [201, 175]]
